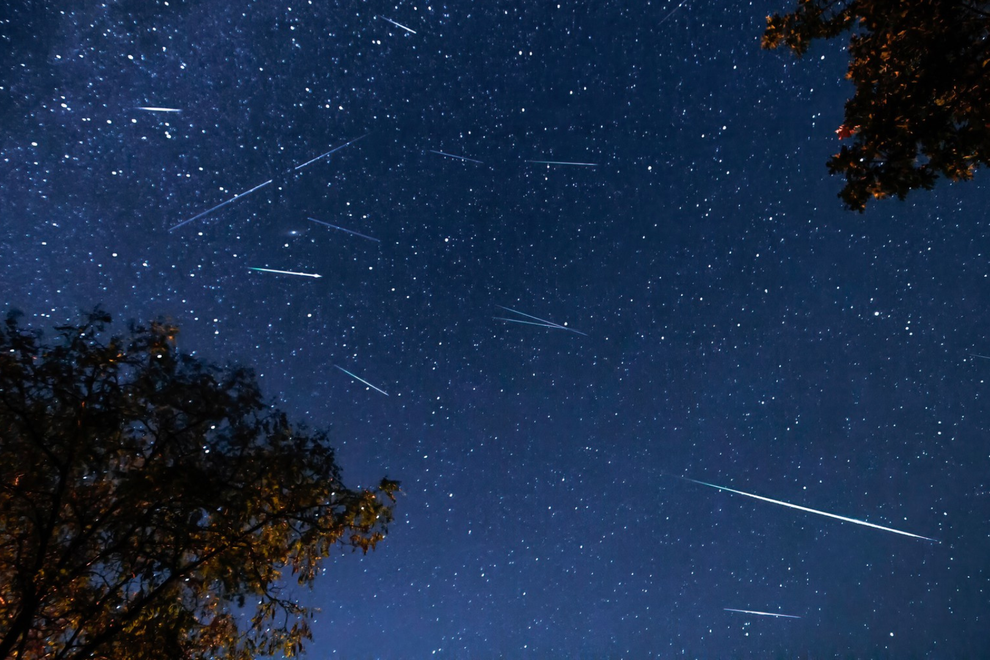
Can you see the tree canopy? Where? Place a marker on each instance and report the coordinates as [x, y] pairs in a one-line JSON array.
[[921, 106], [153, 506]]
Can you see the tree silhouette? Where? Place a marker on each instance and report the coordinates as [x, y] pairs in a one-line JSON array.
[[152, 506], [921, 107]]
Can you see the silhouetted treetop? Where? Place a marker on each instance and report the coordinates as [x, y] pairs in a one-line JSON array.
[[147, 496], [921, 106]]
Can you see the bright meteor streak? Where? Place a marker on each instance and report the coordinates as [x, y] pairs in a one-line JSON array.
[[153, 109], [779, 616], [362, 380], [398, 24], [283, 272], [815, 511]]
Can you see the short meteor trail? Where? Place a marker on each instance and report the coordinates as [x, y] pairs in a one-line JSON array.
[[397, 24], [283, 272], [562, 162], [779, 616], [154, 109], [327, 224], [543, 323], [362, 380], [671, 13], [262, 185], [984, 357], [443, 153], [815, 511]]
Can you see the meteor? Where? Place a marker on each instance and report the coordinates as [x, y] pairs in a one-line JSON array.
[[562, 162], [153, 109], [335, 149], [262, 185], [779, 616], [283, 272], [815, 511], [537, 321], [221, 204], [671, 13], [362, 380], [442, 153], [398, 24], [327, 224]]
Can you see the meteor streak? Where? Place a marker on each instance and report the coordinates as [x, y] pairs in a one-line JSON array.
[[262, 185], [222, 204], [664, 19], [362, 380], [543, 323], [562, 162], [441, 153], [327, 224], [815, 511], [552, 326], [283, 272], [313, 160], [779, 616], [154, 109], [398, 24]]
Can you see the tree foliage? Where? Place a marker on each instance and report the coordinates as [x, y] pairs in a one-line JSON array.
[[152, 506], [921, 107]]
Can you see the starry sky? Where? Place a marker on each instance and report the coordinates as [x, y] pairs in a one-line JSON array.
[[712, 310]]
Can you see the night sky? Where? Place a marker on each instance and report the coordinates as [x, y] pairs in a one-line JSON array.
[[733, 323]]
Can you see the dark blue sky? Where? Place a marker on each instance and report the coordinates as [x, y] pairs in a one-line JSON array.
[[741, 328]]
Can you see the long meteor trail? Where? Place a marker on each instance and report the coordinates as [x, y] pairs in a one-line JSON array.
[[147, 108], [335, 149], [377, 389], [327, 224], [222, 204], [262, 185], [400, 25], [542, 323], [284, 272], [815, 511], [779, 616]]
